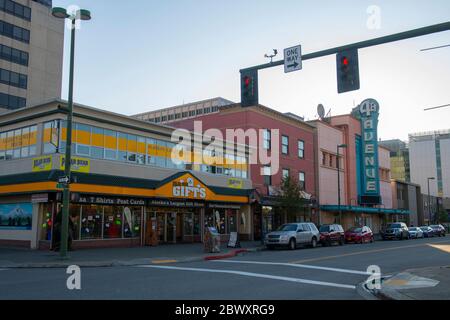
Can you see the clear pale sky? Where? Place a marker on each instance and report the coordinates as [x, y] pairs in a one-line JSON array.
[[141, 55]]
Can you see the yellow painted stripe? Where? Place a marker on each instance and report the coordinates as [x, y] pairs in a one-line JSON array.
[[163, 261]]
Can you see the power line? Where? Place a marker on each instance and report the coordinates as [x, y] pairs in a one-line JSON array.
[[445, 105], [447, 45]]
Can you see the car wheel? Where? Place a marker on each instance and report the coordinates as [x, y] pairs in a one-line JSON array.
[[292, 244], [313, 242]]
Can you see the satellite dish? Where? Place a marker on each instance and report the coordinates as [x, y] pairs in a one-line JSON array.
[[321, 111]]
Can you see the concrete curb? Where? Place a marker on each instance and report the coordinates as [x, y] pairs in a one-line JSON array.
[[120, 263]]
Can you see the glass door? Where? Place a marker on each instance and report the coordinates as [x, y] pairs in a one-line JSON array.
[[161, 227], [171, 218]]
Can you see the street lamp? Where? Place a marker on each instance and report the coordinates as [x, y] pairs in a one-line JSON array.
[[343, 146], [84, 15], [429, 199]]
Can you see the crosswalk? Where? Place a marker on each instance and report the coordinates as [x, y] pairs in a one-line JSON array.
[[276, 273]]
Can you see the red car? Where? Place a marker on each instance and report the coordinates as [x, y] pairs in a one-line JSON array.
[[359, 235]]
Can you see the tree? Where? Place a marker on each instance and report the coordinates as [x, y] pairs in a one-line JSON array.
[[443, 216], [290, 198]]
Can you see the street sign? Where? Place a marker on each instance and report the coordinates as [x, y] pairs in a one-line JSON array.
[[293, 59], [63, 180]]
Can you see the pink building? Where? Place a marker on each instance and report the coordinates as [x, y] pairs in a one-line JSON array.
[[357, 207]]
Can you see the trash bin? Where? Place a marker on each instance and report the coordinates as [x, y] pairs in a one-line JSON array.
[[212, 240]]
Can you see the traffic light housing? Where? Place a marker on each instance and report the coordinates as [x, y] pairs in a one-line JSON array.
[[347, 70], [249, 88]]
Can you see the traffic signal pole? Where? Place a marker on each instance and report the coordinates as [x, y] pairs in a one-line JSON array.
[[363, 44]]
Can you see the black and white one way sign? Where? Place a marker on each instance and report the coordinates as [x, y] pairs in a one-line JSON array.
[[292, 59]]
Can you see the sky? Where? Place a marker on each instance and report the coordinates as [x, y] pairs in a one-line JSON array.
[[141, 55]]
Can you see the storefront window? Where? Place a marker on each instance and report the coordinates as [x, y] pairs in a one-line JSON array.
[[188, 224], [47, 222], [91, 222], [196, 224], [231, 219], [113, 222], [74, 214], [132, 222]]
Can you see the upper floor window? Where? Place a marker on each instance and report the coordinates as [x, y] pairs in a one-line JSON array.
[[13, 55], [301, 180], [284, 144], [14, 32], [267, 139], [18, 143], [14, 79], [267, 173], [16, 9], [301, 149], [285, 173], [12, 102]]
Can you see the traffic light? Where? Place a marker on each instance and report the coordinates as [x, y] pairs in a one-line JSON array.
[[249, 88], [347, 70]]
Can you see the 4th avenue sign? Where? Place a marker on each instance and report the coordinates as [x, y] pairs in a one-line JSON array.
[[293, 59]]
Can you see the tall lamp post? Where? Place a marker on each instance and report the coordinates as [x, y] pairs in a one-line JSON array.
[[85, 15], [429, 200], [343, 146]]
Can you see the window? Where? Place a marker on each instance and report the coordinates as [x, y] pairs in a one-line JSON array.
[[301, 180], [131, 148], [13, 55], [207, 110], [199, 111], [191, 113], [18, 143], [163, 118], [122, 146], [16, 9], [267, 175], [51, 137], [113, 223], [185, 114], [331, 162], [171, 117], [284, 144], [151, 151], [91, 222], [110, 144], [285, 173], [14, 79], [267, 138], [301, 149], [131, 222], [14, 32], [177, 116]]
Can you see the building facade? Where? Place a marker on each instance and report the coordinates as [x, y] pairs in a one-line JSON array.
[[399, 159], [408, 196], [364, 172], [429, 153], [296, 155], [128, 188], [31, 53]]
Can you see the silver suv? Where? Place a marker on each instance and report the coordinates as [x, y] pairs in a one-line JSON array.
[[292, 235]]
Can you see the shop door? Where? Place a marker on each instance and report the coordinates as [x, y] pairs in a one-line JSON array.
[[167, 226]]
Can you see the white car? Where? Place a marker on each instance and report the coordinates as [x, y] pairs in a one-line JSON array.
[[293, 234], [415, 232]]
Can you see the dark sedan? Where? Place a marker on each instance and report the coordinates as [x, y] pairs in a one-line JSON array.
[[438, 229]]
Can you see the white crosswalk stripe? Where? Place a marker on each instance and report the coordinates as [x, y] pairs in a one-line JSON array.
[[256, 275], [295, 266]]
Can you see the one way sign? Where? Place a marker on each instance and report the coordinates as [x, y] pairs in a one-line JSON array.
[[293, 59]]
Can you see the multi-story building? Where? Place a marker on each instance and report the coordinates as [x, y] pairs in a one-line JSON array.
[[428, 154], [31, 53], [399, 159], [184, 111], [129, 186], [364, 173], [295, 158], [408, 196]]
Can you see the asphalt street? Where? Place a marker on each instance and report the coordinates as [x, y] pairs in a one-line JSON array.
[[320, 273]]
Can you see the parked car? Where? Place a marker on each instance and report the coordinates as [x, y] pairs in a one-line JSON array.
[[415, 232], [427, 231], [331, 233], [439, 230], [293, 234], [396, 230], [359, 235]]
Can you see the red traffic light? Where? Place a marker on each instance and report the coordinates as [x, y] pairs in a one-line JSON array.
[[345, 61], [247, 81]]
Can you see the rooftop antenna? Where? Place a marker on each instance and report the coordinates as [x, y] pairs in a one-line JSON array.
[[275, 52]]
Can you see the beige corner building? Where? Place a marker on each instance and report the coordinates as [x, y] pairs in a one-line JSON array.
[[31, 53]]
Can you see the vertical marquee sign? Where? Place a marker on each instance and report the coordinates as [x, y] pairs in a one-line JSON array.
[[368, 112]]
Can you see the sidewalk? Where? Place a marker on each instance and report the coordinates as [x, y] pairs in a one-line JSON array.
[[24, 258], [430, 283]]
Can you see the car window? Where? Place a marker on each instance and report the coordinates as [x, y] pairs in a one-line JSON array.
[[324, 228], [306, 227], [313, 227], [288, 227]]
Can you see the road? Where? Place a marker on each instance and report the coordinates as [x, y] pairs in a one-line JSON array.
[[320, 273]]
